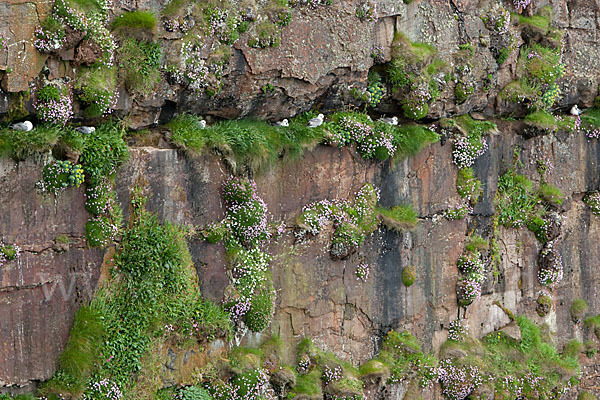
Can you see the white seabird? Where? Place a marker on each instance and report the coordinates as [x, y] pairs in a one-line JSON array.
[[391, 121], [313, 123], [283, 122], [25, 126], [86, 130], [575, 110]]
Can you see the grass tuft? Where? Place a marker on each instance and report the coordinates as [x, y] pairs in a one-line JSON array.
[[398, 218]]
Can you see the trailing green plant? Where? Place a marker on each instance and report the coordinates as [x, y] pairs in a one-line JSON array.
[[468, 186], [516, 201], [101, 155], [151, 292]]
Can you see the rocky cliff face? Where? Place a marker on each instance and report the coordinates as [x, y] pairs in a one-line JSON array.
[[316, 296], [324, 52]]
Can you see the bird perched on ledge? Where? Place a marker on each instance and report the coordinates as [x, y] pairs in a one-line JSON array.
[[575, 110], [391, 121], [283, 122], [313, 123], [86, 130], [25, 126]]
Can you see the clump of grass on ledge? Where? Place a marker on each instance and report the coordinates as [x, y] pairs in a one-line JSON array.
[[257, 144], [410, 140], [545, 120], [476, 243], [398, 218], [79, 358], [20, 145], [542, 20], [551, 194], [252, 143], [592, 117], [144, 20]]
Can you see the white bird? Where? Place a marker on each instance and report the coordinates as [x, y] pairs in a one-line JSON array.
[[391, 121], [22, 126], [283, 122], [575, 110], [313, 123], [202, 124], [86, 130]]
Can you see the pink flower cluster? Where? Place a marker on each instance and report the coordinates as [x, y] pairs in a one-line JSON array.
[[246, 214], [315, 215], [105, 389], [459, 211], [551, 268], [521, 3], [458, 382], [57, 112], [48, 41], [458, 330], [313, 4], [239, 308], [376, 141], [352, 131], [8, 252], [174, 25], [362, 272], [544, 167], [468, 291], [589, 132], [466, 150], [332, 374], [3, 42], [222, 26], [303, 365], [593, 201], [472, 265]]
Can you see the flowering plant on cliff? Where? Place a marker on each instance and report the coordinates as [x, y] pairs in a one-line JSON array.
[[194, 72], [550, 271], [472, 265], [362, 272], [459, 211], [59, 175], [54, 103], [103, 389], [378, 143], [467, 149], [467, 291], [246, 215], [49, 40], [3, 42], [458, 330], [458, 382], [8, 252], [593, 200]]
